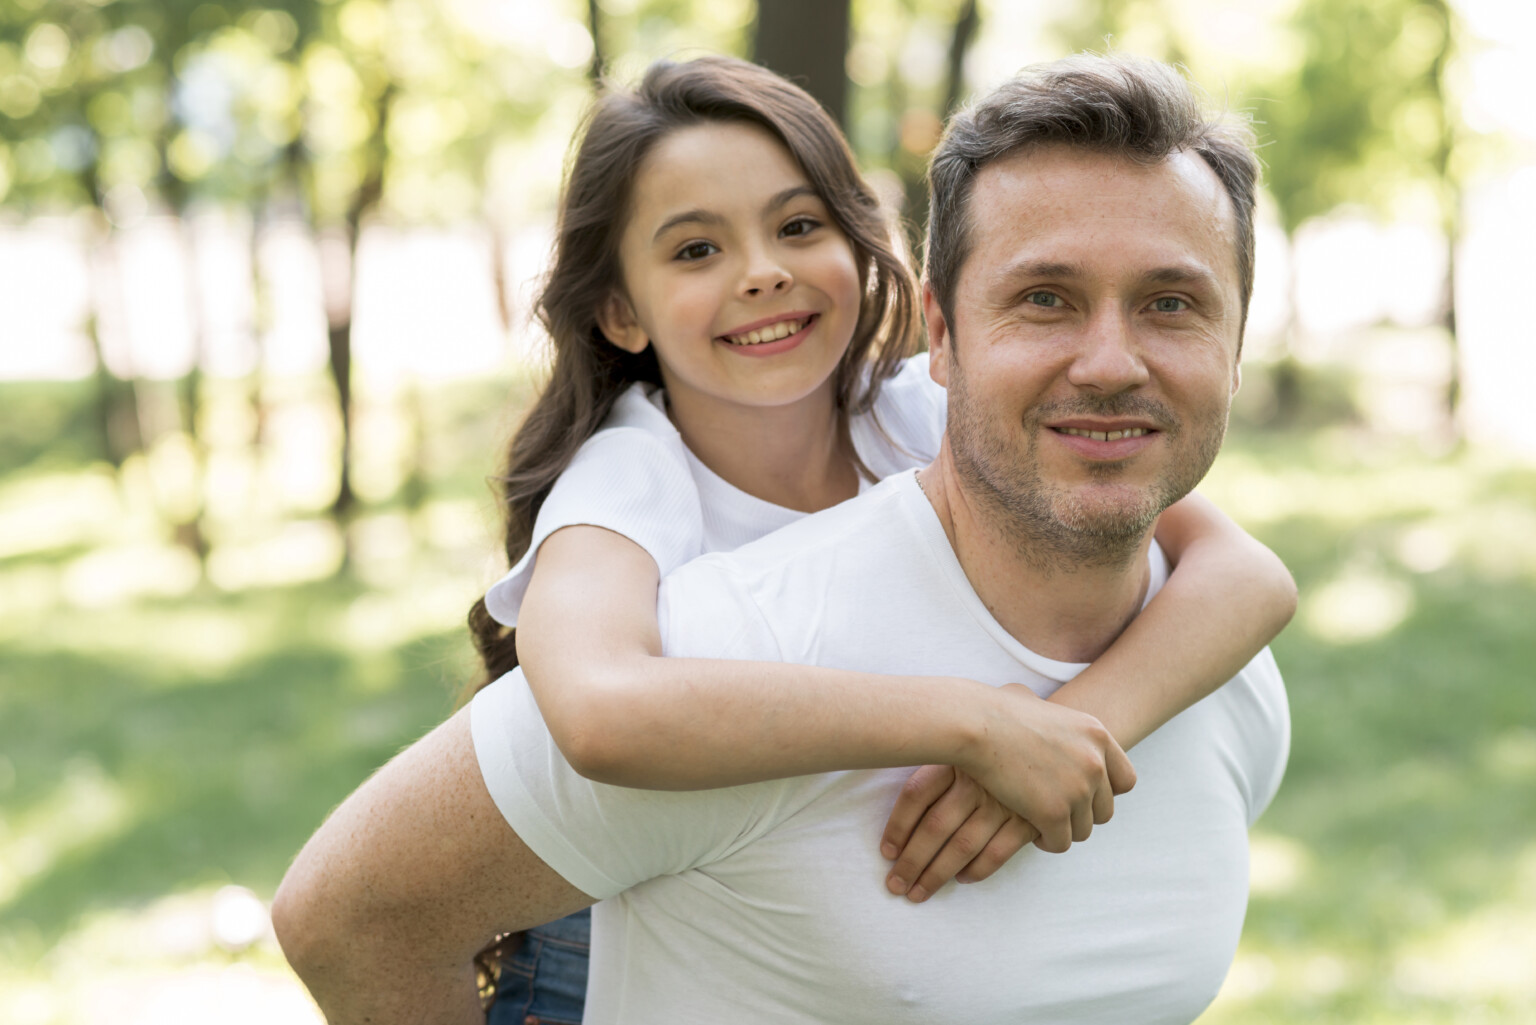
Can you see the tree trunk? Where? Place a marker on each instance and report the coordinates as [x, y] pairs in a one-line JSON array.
[[595, 25], [806, 41], [340, 291], [117, 414], [959, 42]]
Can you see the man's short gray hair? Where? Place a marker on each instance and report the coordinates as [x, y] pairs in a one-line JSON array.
[[1127, 106]]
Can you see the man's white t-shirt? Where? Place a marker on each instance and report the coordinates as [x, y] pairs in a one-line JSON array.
[[636, 477], [766, 902]]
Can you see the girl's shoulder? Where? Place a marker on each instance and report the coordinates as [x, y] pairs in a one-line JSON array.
[[631, 477], [904, 427]]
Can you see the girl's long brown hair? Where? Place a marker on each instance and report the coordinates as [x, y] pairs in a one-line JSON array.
[[588, 373]]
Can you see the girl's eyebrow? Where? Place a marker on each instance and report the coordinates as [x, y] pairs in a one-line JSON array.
[[701, 216], [793, 192], [687, 217]]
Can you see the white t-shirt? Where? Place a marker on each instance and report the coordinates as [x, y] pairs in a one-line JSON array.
[[766, 902], [637, 478]]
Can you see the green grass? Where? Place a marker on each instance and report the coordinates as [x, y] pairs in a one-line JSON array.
[[167, 745]]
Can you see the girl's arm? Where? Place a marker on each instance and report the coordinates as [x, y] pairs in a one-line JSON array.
[[590, 647], [1227, 598]]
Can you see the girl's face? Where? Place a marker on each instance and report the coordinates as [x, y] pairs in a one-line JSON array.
[[735, 271]]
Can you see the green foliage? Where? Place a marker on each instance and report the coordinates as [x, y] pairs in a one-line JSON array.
[[1365, 111]]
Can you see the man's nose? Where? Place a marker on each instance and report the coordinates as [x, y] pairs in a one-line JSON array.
[[765, 274], [1108, 360]]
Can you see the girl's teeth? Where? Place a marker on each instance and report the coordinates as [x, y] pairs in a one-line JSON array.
[[772, 333]]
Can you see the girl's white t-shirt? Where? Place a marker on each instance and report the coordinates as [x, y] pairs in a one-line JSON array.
[[635, 477]]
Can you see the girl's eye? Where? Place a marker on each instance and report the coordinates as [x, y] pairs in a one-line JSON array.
[[697, 251], [800, 226], [1169, 304], [1047, 299]]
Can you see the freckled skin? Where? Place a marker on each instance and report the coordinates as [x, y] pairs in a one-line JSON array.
[[1097, 290]]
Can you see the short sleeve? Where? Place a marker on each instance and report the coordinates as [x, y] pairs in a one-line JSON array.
[[1263, 720], [906, 426], [602, 839], [627, 480]]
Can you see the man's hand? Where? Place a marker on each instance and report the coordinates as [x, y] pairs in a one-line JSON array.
[[964, 833], [1038, 775]]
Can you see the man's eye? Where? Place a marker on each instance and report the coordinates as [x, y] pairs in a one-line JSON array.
[[697, 251], [800, 226], [1169, 304], [1043, 299]]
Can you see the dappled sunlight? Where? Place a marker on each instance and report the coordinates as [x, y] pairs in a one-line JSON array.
[[1337, 486], [1512, 756], [386, 619], [1357, 606], [1276, 864], [28, 593], [58, 510], [185, 959], [1426, 547], [298, 551], [1502, 542], [87, 807], [112, 576]]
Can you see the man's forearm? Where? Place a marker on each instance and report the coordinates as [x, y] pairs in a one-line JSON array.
[[383, 911]]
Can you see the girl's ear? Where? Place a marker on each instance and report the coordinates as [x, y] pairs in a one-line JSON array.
[[616, 319]]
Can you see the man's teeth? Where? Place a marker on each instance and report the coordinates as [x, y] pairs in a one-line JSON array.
[[771, 333], [1134, 432]]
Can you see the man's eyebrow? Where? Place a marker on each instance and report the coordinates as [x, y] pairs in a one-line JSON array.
[[1043, 269], [1178, 274]]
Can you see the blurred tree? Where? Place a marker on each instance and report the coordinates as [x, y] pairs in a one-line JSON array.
[[806, 41], [1363, 117], [907, 65]]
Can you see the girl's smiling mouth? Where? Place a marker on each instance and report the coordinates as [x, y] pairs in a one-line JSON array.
[[774, 335]]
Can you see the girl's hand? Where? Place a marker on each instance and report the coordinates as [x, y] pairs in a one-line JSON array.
[[1060, 773], [965, 833]]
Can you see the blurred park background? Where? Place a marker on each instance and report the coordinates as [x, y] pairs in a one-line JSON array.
[[265, 278]]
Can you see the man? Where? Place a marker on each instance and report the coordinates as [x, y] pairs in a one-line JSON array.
[[1090, 262]]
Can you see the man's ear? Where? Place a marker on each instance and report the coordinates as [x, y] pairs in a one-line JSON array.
[[1237, 377], [940, 343], [616, 319]]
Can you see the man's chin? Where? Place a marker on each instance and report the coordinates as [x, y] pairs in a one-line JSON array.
[[1117, 512]]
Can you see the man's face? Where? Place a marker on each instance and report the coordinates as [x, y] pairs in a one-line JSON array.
[[1093, 354]]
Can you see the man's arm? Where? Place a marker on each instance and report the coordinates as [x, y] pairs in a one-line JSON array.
[[384, 909]]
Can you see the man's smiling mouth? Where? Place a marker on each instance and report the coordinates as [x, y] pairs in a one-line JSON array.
[[1077, 432]]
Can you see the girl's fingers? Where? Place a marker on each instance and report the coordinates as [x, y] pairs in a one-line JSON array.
[[1015, 835], [1103, 802], [922, 789]]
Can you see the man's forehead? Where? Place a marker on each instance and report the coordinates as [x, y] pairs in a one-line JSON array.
[[1076, 194]]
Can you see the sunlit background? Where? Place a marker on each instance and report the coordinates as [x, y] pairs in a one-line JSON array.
[[266, 272]]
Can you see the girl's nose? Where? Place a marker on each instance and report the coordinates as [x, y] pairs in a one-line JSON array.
[[765, 276]]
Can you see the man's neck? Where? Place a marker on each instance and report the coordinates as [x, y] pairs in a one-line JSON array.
[[1070, 612]]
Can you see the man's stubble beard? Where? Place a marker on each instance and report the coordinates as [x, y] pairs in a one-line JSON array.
[[1059, 529]]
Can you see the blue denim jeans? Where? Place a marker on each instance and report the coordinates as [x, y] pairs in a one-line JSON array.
[[545, 981]]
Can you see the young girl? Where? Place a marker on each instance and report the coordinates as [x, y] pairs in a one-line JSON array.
[[733, 348]]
